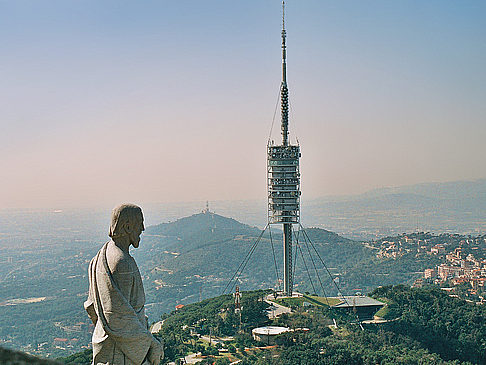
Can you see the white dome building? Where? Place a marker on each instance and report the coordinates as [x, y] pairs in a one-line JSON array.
[[267, 334]]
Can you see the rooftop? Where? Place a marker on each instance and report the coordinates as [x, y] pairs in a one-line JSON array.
[[270, 330], [357, 301]]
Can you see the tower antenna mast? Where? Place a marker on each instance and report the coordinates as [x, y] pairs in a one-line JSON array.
[[284, 91]]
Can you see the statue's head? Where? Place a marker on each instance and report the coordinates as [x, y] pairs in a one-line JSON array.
[[127, 220]]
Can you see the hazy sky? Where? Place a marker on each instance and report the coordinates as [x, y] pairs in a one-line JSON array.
[[109, 101]]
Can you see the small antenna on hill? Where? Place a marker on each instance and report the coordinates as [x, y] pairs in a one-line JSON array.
[[206, 210]]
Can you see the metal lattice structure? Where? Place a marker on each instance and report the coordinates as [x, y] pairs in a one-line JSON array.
[[283, 177]]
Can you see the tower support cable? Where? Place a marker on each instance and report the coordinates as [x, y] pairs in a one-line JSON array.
[[306, 268], [323, 264], [274, 115], [248, 259], [306, 236], [295, 256], [317, 273], [274, 258], [297, 234], [246, 262], [243, 264]]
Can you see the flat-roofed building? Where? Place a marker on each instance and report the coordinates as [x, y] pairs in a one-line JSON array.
[[429, 273], [364, 307]]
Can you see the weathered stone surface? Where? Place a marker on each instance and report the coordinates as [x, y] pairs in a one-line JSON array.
[[116, 297]]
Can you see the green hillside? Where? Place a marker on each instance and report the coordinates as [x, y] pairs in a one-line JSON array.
[[192, 231], [199, 255], [195, 257], [425, 327], [443, 324]]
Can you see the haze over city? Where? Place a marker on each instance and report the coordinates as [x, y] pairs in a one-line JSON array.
[[103, 102]]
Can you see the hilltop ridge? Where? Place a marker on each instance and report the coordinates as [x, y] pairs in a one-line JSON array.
[[192, 229]]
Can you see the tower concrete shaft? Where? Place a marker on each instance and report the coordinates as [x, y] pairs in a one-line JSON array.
[[287, 249]]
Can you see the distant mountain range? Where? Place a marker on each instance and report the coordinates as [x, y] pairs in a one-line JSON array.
[[454, 207], [446, 190], [458, 207]]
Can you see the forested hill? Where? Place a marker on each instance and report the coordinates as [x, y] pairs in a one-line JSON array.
[[425, 327], [196, 256], [444, 324], [198, 229]]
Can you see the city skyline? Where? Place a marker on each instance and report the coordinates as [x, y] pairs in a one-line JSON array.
[[103, 102]]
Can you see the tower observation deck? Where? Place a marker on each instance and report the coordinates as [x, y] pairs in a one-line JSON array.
[[283, 175]]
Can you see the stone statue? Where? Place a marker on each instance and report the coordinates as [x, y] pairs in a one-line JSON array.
[[116, 298]]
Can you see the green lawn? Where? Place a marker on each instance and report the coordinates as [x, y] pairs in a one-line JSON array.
[[314, 300], [322, 300], [290, 302], [382, 312]]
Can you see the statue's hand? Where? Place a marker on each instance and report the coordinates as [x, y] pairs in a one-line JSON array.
[[155, 353], [88, 305]]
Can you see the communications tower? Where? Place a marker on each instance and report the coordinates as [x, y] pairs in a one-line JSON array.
[[283, 175]]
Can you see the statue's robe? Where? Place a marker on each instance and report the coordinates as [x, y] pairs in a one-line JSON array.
[[115, 304]]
